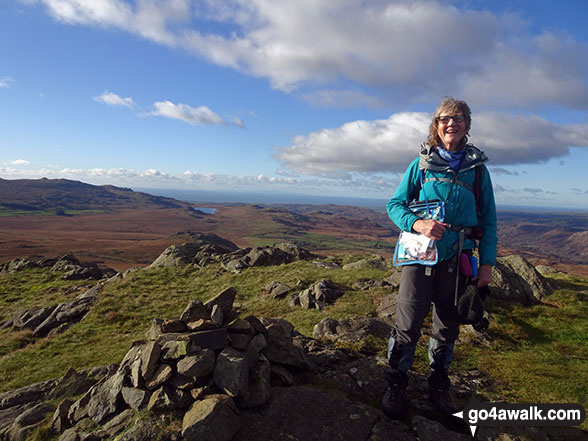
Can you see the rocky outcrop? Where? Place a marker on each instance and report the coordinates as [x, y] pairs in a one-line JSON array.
[[264, 256], [376, 262], [201, 250], [351, 330], [317, 296], [54, 319], [68, 264], [516, 279], [207, 249]]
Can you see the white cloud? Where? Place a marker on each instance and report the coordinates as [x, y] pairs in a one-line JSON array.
[[196, 116], [6, 82], [389, 145], [393, 49], [112, 99], [19, 162]]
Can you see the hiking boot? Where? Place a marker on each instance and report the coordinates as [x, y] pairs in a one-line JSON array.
[[393, 399], [439, 385], [442, 400]]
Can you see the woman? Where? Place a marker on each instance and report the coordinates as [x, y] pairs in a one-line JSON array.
[[444, 170]]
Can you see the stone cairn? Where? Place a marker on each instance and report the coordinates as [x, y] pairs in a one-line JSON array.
[[207, 362]]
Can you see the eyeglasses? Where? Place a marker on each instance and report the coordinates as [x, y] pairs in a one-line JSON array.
[[446, 119]]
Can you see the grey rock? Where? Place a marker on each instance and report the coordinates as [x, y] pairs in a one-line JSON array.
[[216, 315], [68, 312], [214, 418], [173, 350], [28, 394], [281, 350], [195, 311], [266, 256], [179, 255], [116, 425], [213, 339], [323, 417], [320, 294], [257, 325], [162, 400], [106, 398], [258, 343], [143, 430], [374, 263], [231, 372], [514, 278], [72, 383], [162, 373], [259, 390], [351, 330], [32, 318], [60, 421], [429, 430], [28, 421], [135, 398], [387, 309], [280, 376], [8, 415], [204, 325], [277, 290], [197, 365], [149, 356], [224, 300], [240, 341], [79, 409]]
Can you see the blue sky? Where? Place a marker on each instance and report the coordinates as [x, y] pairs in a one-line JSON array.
[[323, 97]]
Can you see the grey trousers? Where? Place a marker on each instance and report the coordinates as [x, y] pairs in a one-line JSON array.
[[416, 294]]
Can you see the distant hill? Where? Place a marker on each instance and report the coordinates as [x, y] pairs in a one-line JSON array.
[[61, 195]]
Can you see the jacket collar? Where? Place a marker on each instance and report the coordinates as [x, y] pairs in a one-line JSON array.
[[429, 159]]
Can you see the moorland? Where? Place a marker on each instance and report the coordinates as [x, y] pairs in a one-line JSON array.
[[532, 353]]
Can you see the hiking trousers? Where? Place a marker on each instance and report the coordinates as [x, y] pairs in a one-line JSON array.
[[416, 294]]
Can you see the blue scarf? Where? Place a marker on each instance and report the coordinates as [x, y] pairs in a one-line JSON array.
[[453, 158]]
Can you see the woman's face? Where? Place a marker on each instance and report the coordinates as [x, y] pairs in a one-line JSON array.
[[450, 131]]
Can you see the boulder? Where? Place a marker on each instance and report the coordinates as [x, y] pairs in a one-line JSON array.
[[516, 279], [317, 296], [277, 290], [202, 246], [215, 418], [352, 330]]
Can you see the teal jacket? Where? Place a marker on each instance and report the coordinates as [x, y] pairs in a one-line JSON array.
[[460, 201]]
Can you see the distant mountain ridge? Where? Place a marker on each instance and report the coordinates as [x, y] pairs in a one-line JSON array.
[[65, 194]]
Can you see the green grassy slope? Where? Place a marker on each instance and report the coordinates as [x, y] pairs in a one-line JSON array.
[[538, 354]]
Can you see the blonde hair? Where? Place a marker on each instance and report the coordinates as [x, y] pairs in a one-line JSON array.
[[452, 106]]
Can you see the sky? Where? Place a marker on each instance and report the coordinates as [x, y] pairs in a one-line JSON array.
[[316, 97]]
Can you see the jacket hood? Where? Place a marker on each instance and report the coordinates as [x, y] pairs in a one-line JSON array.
[[429, 159]]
